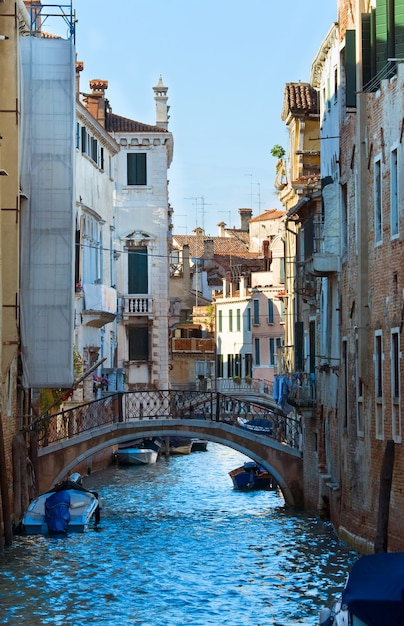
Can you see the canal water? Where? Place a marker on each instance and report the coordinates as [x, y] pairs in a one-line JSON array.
[[176, 544]]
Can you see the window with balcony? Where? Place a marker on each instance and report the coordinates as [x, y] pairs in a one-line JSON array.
[[219, 366], [136, 168]]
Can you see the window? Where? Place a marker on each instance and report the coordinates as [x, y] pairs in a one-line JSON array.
[[335, 84], [257, 352], [219, 365], [78, 135], [378, 361], [282, 311], [378, 201], [138, 271], [220, 321], [248, 364], [138, 343], [395, 384], [248, 324], [350, 68], [270, 311], [238, 320], [230, 365], [230, 320], [237, 365], [393, 193], [359, 396], [256, 312], [275, 343], [136, 163]]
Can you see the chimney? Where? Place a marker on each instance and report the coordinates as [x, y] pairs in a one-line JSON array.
[[208, 249], [160, 97], [95, 102], [79, 68], [245, 216], [221, 226]]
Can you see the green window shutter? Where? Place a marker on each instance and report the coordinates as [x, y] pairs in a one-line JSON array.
[[137, 271], [399, 28], [381, 34], [350, 68], [367, 65], [136, 163]]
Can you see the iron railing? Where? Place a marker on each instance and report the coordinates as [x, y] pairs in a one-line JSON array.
[[137, 406]]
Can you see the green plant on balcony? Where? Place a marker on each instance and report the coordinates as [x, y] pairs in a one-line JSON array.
[[248, 379], [236, 380]]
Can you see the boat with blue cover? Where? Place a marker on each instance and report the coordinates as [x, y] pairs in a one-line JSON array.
[[68, 507], [251, 476], [373, 594]]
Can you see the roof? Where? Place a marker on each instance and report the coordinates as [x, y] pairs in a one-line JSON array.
[[271, 214], [221, 245], [300, 98], [117, 124]]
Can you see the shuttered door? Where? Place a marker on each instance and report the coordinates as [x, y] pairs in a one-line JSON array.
[[350, 68], [137, 271]]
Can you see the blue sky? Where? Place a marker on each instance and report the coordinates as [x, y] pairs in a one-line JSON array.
[[225, 63]]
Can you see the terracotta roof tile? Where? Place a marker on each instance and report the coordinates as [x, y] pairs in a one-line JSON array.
[[270, 214], [117, 124], [300, 98]]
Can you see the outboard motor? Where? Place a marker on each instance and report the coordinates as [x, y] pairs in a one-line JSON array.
[[57, 513]]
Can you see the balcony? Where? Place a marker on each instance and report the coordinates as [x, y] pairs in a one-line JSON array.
[[100, 305], [326, 252], [193, 344], [137, 306]]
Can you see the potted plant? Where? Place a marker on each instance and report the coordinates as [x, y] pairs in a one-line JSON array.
[[236, 380]]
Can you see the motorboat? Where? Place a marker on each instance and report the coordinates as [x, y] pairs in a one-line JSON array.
[[259, 425], [68, 507], [199, 445], [136, 456], [373, 594], [251, 476]]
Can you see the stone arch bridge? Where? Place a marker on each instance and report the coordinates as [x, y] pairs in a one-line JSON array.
[[61, 441]]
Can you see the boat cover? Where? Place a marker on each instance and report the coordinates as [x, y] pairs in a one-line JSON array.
[[57, 514], [375, 589]]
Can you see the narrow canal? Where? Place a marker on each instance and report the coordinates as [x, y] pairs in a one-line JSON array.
[[177, 545]]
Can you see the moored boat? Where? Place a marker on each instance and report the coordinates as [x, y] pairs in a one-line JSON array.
[[67, 507], [136, 456], [251, 476], [199, 445], [373, 594]]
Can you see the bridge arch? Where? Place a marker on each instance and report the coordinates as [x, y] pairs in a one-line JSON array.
[[57, 460]]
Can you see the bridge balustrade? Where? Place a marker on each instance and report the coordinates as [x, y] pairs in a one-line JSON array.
[[167, 404]]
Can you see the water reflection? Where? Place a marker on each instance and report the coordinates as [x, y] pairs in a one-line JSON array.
[[176, 544]]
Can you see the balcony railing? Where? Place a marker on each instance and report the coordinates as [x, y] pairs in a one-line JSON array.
[[193, 344], [137, 305]]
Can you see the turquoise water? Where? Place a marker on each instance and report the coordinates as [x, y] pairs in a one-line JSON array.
[[177, 545]]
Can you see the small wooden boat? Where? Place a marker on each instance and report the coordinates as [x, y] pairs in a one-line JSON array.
[[373, 594], [136, 456], [67, 507], [251, 476]]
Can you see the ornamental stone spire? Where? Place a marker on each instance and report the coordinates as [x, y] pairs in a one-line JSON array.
[[160, 97]]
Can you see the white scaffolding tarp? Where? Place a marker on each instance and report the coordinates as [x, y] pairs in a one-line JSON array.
[[47, 224]]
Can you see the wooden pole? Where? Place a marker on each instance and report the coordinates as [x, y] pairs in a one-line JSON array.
[[386, 478]]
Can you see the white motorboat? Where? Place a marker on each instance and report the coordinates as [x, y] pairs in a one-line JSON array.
[[136, 456], [67, 507], [373, 594]]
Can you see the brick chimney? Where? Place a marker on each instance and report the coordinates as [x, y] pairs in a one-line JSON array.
[[208, 249], [245, 216], [95, 102], [162, 109], [222, 229]]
